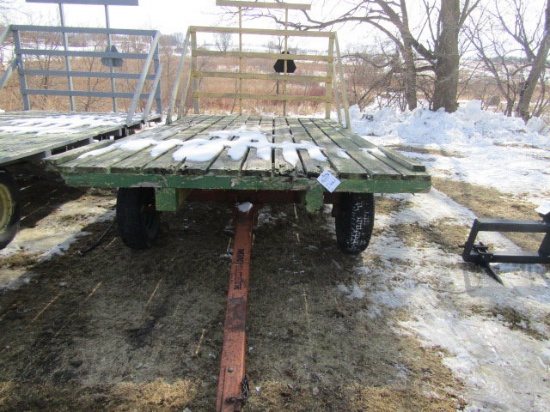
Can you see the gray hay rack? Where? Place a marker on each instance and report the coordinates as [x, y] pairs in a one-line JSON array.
[[28, 49]]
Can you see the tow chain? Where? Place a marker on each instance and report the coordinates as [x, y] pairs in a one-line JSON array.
[[239, 402]]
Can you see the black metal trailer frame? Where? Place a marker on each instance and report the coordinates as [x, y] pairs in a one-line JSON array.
[[480, 254]]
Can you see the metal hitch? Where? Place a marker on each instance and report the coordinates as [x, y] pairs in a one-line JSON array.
[[480, 254]]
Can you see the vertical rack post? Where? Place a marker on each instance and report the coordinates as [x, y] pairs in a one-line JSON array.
[[21, 71], [67, 60], [330, 73], [343, 83], [194, 82], [240, 60], [285, 65], [112, 60]]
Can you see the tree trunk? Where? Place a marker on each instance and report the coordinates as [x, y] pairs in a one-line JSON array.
[[528, 88], [447, 58], [409, 74]]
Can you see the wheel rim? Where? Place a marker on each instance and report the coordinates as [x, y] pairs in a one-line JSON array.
[[6, 211]]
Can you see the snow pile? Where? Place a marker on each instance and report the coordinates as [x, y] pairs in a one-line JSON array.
[[472, 145], [469, 125]]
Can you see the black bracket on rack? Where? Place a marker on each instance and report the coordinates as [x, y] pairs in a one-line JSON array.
[[479, 253]]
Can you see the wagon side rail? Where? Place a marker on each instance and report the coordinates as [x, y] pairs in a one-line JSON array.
[[43, 56]]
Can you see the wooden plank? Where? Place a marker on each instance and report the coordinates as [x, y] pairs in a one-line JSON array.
[[266, 32], [59, 159], [291, 77], [341, 135], [341, 163], [271, 56], [201, 168], [103, 162], [29, 134], [165, 163], [253, 164], [264, 5], [311, 167], [390, 157], [183, 130], [374, 167], [258, 96], [403, 160], [281, 167]]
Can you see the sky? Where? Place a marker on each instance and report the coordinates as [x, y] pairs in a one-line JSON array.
[[174, 16], [168, 16]]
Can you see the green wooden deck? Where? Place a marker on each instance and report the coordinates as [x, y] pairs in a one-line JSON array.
[[243, 153], [33, 134]]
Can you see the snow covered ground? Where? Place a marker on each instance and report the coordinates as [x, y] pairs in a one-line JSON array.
[[504, 362], [478, 147]]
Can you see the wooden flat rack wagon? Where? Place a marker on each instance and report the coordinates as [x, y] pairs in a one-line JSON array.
[[246, 159]]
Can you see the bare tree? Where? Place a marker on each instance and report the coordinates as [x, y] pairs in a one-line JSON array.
[[514, 52], [447, 58], [373, 73], [443, 17], [5, 5], [494, 50], [223, 41], [537, 69]]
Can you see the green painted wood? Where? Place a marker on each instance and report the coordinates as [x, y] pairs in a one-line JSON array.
[[183, 130], [253, 165], [211, 182], [402, 160], [339, 165], [368, 168], [281, 167], [311, 167], [67, 156], [224, 164], [169, 199], [165, 163], [375, 168]]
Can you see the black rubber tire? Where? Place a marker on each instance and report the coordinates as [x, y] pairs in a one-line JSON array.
[[354, 221], [10, 208], [137, 217]]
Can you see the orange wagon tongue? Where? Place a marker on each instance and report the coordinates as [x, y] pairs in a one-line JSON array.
[[233, 383]]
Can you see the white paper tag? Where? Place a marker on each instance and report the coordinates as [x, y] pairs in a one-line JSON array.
[[329, 181]]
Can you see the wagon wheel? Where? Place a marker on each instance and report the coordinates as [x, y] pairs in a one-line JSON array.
[[137, 217], [354, 221], [10, 208]]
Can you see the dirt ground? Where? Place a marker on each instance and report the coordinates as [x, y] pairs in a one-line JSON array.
[[119, 330]]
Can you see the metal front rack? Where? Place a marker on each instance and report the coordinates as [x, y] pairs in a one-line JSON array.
[[480, 254]]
